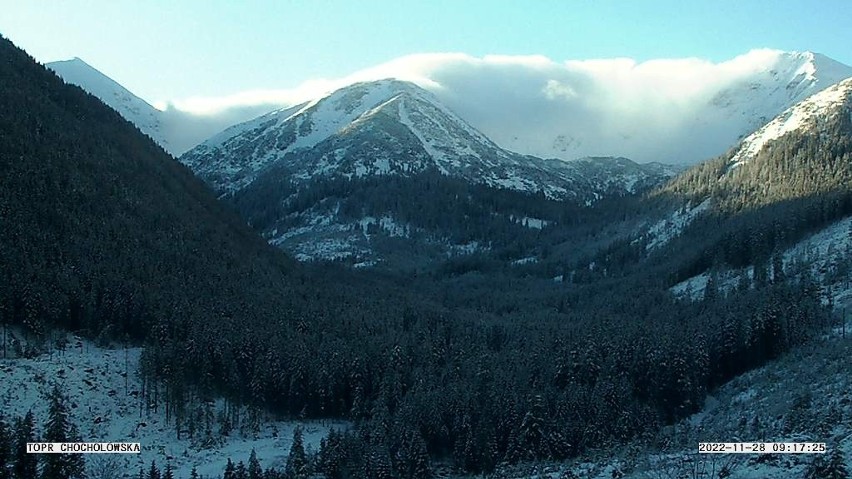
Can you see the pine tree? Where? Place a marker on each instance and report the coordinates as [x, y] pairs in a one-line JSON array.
[[230, 470], [60, 429], [833, 468], [5, 449], [240, 471], [254, 469], [377, 464], [297, 461], [153, 472], [167, 473], [26, 465], [272, 473], [193, 474], [836, 468], [531, 433], [331, 454], [414, 462]]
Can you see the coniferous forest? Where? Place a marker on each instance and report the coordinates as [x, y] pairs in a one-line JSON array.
[[469, 361]]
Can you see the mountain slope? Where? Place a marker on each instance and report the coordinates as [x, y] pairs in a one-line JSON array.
[[814, 114], [789, 179], [103, 231], [384, 127], [295, 174], [582, 108], [803, 151], [132, 108]]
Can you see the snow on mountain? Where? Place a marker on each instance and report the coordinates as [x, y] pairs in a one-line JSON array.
[[237, 155], [132, 108], [808, 114], [648, 111], [824, 252], [174, 129], [380, 129], [395, 127]]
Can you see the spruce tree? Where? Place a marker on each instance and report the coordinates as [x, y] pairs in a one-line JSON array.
[[837, 465], [153, 472], [297, 460], [229, 470], [254, 469], [60, 429], [240, 471], [832, 468], [193, 474], [167, 473], [5, 449], [415, 459], [26, 465], [331, 454]]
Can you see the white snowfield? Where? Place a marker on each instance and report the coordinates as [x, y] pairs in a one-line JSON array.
[[102, 386]]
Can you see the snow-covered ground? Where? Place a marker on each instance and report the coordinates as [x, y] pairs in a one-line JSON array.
[[757, 406], [102, 386], [667, 229], [823, 252]]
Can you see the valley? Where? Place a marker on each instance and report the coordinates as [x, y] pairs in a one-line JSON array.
[[365, 284]]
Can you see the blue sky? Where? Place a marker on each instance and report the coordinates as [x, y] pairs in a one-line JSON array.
[[176, 49]]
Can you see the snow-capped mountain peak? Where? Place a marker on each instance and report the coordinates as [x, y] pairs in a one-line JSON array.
[[407, 127], [131, 107], [809, 113]]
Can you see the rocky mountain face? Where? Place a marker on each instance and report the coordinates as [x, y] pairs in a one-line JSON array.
[[384, 132], [394, 128]]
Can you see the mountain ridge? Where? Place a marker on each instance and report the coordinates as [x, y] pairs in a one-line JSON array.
[[413, 130], [727, 102], [295, 174], [136, 110]]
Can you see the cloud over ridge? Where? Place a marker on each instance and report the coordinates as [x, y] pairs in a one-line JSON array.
[[672, 110]]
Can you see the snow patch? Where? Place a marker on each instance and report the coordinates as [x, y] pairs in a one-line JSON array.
[[826, 254], [667, 229], [103, 389]]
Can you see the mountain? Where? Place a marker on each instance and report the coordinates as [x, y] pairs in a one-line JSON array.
[[103, 231], [802, 152], [500, 356], [679, 111], [131, 107], [789, 179], [385, 131], [815, 115], [173, 129], [383, 128], [647, 111]]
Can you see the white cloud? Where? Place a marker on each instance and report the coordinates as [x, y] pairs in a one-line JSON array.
[[668, 110]]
